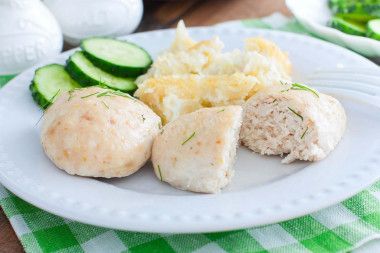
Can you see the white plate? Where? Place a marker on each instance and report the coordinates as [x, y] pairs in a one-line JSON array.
[[314, 16], [263, 190]]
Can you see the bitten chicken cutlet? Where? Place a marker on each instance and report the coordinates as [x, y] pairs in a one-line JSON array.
[[292, 119]]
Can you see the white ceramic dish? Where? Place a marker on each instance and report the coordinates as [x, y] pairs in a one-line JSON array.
[[314, 16], [263, 190]]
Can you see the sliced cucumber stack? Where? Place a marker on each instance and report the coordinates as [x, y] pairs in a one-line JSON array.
[[358, 17], [85, 73], [48, 82], [373, 29], [348, 26], [119, 58], [370, 7]]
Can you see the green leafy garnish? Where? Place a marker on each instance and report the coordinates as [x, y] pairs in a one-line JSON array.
[[121, 94], [304, 132], [297, 86], [159, 170], [47, 105], [143, 119], [162, 131], [183, 143], [105, 104], [274, 100], [222, 110], [102, 94], [90, 95], [295, 113], [70, 95]]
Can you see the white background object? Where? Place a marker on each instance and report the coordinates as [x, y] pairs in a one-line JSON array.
[[263, 190], [28, 34], [80, 19], [314, 16]]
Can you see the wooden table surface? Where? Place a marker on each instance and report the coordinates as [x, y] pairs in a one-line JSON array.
[[166, 14]]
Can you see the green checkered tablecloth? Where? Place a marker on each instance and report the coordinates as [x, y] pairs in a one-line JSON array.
[[339, 228]]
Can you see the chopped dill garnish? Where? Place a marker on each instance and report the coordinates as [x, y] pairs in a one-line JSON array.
[[282, 83], [274, 101], [304, 132], [295, 113], [183, 143], [90, 95], [159, 170], [40, 118], [70, 95], [143, 119], [102, 84], [102, 94], [297, 86], [105, 104], [47, 105], [122, 94], [162, 130], [222, 110]]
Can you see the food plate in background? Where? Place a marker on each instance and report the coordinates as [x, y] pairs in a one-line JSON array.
[[263, 190], [314, 16]]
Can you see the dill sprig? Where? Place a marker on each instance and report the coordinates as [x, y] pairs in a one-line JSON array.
[[162, 130], [70, 95], [191, 136], [143, 118], [105, 104], [297, 86], [102, 84], [121, 94], [47, 105], [304, 132], [222, 110], [293, 111], [159, 170], [274, 100], [90, 95], [102, 94]]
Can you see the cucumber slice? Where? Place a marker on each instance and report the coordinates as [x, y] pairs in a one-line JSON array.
[[358, 17], [373, 29], [348, 26], [370, 7], [119, 58], [48, 82], [334, 5], [86, 74]]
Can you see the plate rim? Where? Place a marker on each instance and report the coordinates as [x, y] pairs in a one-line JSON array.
[[31, 199]]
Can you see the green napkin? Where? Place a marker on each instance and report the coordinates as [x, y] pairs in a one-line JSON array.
[[5, 79], [339, 228]]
